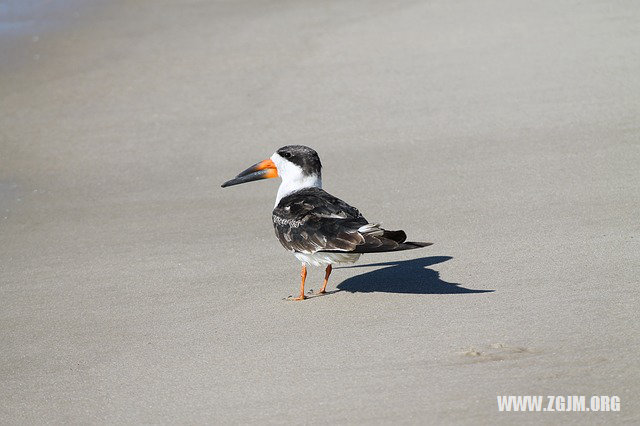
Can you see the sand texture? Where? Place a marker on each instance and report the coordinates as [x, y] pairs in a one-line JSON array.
[[134, 289]]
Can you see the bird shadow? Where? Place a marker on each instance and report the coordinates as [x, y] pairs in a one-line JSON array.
[[406, 276]]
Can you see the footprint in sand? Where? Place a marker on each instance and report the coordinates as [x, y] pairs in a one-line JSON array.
[[496, 352]]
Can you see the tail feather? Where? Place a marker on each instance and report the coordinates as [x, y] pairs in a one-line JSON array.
[[397, 236]]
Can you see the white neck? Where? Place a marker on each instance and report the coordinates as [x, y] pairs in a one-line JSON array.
[[289, 186], [292, 178]]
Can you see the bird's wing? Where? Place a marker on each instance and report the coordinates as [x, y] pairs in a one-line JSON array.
[[378, 240], [312, 220]]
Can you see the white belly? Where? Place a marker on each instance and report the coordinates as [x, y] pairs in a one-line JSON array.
[[323, 258]]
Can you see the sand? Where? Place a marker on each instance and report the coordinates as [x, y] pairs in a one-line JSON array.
[[134, 289]]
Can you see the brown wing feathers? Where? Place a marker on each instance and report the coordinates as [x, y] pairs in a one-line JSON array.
[[380, 240], [311, 220]]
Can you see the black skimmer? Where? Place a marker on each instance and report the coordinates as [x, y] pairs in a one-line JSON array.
[[318, 228]]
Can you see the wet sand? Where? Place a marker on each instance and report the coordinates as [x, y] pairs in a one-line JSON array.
[[134, 289]]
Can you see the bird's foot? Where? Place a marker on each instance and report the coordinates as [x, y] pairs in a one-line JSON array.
[[296, 299], [313, 293]]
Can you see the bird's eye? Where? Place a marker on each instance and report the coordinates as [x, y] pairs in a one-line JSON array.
[[286, 154]]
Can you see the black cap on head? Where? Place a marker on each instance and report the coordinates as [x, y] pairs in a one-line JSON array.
[[303, 156]]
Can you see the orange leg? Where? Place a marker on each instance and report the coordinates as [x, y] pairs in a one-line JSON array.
[[326, 279], [303, 275]]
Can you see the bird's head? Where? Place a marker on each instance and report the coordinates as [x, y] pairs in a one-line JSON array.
[[298, 165]]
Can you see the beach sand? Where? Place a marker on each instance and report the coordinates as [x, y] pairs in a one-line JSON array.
[[134, 289]]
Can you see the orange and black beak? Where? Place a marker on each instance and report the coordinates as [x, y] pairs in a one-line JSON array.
[[263, 170]]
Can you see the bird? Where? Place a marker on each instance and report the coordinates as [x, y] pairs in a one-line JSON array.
[[318, 228]]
